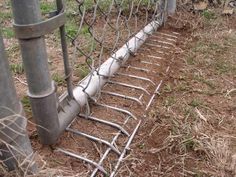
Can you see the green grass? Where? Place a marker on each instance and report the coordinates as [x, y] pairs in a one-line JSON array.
[[26, 104], [5, 15], [71, 29], [58, 79], [17, 68], [190, 60], [195, 103], [82, 70], [84, 30], [224, 67], [189, 144], [103, 5], [141, 146], [207, 47], [188, 111], [169, 101], [8, 32], [207, 82], [212, 54], [73, 20], [47, 7], [183, 87], [71, 8], [88, 4], [167, 88], [208, 14]]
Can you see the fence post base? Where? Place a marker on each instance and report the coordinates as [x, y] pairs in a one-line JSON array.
[[171, 7], [15, 145]]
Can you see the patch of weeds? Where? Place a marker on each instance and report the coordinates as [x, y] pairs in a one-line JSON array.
[[187, 111], [141, 146], [125, 5], [6, 4], [167, 88], [17, 68], [84, 30], [195, 103], [208, 14], [214, 47], [89, 61], [176, 127], [190, 60], [47, 7], [71, 8], [71, 29], [92, 45], [209, 49], [198, 77], [5, 15], [8, 32], [105, 5], [189, 144], [206, 48], [89, 46], [223, 67], [26, 104], [209, 83], [183, 87], [205, 81], [169, 101], [58, 79], [82, 70], [88, 4], [199, 47]]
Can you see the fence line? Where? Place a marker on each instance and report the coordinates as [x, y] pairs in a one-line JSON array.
[[103, 33]]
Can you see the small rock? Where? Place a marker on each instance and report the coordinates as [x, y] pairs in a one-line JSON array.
[[229, 7], [200, 5], [228, 11], [232, 3]]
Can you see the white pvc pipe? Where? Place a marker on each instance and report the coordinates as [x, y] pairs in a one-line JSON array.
[[95, 82]]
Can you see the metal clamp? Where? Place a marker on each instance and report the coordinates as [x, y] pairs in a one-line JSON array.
[[40, 29]]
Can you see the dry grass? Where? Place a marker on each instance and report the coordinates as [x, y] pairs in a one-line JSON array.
[[192, 131], [24, 160]]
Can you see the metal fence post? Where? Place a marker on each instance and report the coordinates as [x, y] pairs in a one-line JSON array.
[[41, 88], [15, 145], [171, 7]]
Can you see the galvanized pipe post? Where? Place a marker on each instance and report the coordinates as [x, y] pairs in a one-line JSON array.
[[171, 7], [15, 144], [41, 88]]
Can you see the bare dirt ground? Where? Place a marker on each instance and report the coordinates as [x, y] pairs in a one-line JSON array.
[[190, 129]]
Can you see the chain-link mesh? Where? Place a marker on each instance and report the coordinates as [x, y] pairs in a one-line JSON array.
[[98, 28]]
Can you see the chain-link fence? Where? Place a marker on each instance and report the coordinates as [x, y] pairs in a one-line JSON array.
[[96, 39], [98, 29]]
